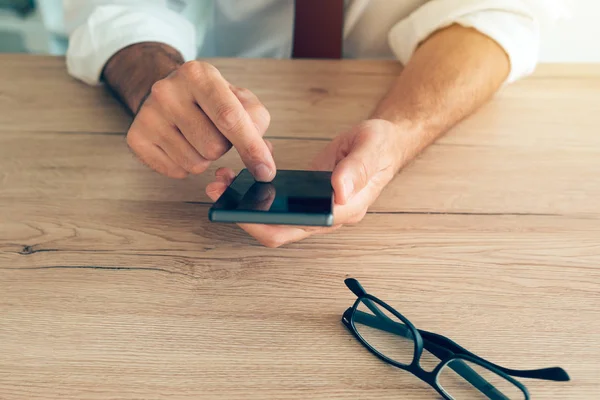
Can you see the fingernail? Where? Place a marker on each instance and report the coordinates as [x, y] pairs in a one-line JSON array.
[[263, 173], [348, 188]]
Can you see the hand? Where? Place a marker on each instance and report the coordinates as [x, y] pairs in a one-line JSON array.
[[363, 160], [193, 117]]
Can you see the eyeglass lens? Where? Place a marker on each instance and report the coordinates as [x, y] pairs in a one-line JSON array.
[[383, 331]]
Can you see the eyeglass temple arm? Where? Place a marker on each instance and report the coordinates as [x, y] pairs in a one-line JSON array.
[[478, 382], [438, 345], [549, 374], [459, 367]]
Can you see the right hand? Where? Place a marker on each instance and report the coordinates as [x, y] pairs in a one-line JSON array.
[[193, 117]]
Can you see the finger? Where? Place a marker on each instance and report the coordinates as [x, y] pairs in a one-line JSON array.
[[200, 131], [356, 208], [155, 158], [257, 111], [227, 113], [351, 213], [155, 127], [226, 172], [172, 142], [214, 190], [354, 172], [275, 235], [223, 178], [279, 235], [269, 145], [150, 154], [173, 98], [315, 230]]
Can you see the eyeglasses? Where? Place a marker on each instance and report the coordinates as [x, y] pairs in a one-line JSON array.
[[459, 374]]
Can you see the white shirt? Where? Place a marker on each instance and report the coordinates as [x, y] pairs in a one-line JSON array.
[[97, 29]]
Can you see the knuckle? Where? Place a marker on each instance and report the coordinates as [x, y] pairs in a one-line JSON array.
[[191, 69], [229, 118], [253, 149], [176, 173], [198, 70], [160, 91], [133, 139], [146, 121], [135, 142], [165, 137], [242, 92], [209, 70], [182, 160], [215, 150], [200, 168]]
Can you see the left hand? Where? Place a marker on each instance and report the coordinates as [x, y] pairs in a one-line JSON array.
[[363, 160]]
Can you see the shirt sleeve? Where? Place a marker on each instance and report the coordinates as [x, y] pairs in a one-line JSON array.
[[513, 24], [106, 29]]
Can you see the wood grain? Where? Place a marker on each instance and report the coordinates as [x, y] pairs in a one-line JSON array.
[[317, 107], [154, 294], [447, 178], [113, 284]]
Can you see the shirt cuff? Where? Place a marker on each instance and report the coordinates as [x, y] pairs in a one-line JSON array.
[[511, 23], [111, 28]]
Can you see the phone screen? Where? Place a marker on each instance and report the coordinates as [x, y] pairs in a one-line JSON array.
[[293, 197]]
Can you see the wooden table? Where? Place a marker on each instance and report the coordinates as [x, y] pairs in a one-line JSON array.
[[113, 284]]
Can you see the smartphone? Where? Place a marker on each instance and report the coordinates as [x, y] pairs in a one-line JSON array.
[[292, 198]]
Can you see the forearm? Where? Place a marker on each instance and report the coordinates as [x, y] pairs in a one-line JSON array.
[[448, 77], [132, 71]]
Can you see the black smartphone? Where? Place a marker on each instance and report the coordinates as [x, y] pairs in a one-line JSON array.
[[292, 198]]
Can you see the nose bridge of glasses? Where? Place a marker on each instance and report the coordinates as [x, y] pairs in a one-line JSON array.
[[425, 376], [388, 325]]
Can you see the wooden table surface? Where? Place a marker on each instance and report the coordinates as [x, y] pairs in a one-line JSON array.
[[113, 284]]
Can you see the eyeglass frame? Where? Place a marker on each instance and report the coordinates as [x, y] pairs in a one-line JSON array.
[[440, 346]]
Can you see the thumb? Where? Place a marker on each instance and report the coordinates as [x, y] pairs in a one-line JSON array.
[[354, 172]]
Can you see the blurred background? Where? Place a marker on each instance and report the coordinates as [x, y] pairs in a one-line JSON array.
[[23, 29]]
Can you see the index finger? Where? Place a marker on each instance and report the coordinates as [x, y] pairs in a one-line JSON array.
[[222, 106]]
